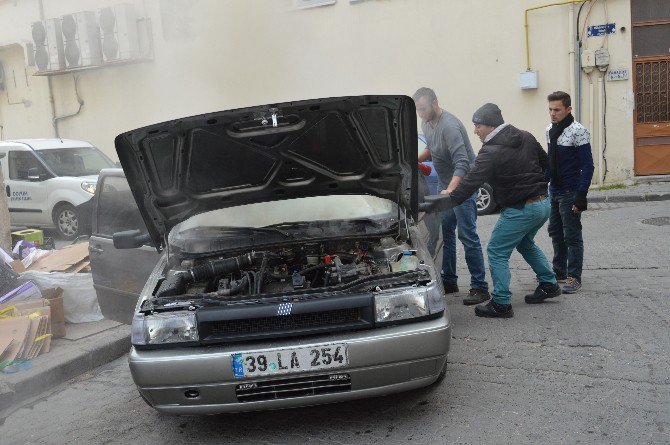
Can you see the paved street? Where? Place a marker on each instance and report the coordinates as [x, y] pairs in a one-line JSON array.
[[587, 368]]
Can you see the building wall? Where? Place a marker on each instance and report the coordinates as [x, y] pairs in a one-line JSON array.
[[233, 53]]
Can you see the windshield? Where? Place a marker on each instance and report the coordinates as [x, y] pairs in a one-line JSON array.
[[277, 221], [78, 161]]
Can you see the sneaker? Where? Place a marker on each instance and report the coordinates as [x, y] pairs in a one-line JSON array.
[[542, 292], [572, 285], [476, 296], [560, 277], [450, 288], [494, 310]]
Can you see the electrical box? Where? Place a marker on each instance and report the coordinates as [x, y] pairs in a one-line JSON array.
[[120, 39], [48, 44], [602, 59], [588, 60], [528, 80], [82, 39]]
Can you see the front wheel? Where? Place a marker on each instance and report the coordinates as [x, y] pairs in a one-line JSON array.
[[67, 221], [485, 202]]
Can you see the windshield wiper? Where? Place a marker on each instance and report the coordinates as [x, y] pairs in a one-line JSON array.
[[252, 230]]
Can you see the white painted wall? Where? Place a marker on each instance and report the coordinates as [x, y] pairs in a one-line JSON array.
[[250, 52]]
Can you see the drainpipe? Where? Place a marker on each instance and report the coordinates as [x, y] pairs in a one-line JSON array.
[[65, 116], [601, 125], [571, 38], [49, 80]]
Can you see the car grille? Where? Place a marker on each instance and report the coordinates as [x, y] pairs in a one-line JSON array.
[[293, 387], [272, 320], [289, 322]]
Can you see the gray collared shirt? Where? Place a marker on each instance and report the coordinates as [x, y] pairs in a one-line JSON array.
[[449, 147]]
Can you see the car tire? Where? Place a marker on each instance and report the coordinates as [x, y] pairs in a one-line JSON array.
[[67, 221], [485, 202]]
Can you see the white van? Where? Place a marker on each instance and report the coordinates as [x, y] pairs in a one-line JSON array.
[[47, 179]]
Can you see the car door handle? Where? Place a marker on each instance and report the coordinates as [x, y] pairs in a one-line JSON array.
[[8, 191], [96, 249]]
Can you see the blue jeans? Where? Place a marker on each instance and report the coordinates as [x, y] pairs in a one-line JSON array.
[[516, 229], [565, 230], [464, 217]]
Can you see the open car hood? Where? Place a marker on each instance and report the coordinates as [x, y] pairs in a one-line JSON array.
[[344, 145]]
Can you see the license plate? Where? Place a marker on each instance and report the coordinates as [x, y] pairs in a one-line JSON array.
[[287, 361]]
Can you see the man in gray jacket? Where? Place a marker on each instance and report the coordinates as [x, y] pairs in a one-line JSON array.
[[449, 147]]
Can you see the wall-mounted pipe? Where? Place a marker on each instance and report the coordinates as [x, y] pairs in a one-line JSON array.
[[601, 130], [50, 87], [541, 7], [65, 116]]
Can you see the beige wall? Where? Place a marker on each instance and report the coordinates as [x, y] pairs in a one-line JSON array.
[[248, 52]]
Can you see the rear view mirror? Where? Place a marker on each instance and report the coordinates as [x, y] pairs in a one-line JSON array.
[[130, 239], [33, 174]]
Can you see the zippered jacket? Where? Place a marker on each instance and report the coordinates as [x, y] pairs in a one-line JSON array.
[[513, 163]]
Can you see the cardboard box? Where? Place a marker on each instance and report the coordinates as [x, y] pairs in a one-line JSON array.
[[55, 297], [35, 236]]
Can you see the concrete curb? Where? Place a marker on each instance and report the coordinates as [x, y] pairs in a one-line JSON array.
[[630, 198], [65, 361]]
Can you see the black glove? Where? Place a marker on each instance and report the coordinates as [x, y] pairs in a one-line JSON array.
[[580, 201], [436, 203]]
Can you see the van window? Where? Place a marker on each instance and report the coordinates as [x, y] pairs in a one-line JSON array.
[[116, 209], [20, 162]]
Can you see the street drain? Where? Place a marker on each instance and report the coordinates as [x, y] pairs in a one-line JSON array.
[[660, 221]]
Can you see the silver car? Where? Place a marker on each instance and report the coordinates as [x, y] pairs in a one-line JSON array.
[[293, 271]]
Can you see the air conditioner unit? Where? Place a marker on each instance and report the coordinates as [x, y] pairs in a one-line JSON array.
[[82, 39], [120, 40], [48, 43]]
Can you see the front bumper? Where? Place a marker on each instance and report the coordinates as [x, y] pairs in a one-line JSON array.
[[381, 361]]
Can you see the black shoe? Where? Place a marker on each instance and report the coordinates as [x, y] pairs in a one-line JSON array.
[[542, 292], [450, 288], [494, 310], [476, 296]]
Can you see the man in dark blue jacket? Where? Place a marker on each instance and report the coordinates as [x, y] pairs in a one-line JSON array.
[[569, 175]]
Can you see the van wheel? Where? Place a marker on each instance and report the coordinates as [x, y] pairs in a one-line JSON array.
[[66, 221]]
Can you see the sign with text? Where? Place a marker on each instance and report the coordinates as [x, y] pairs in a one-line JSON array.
[[620, 74], [601, 30]]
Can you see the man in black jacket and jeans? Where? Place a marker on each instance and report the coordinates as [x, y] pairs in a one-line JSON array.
[[512, 161]]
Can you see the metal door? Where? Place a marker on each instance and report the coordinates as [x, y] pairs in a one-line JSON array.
[[118, 275], [651, 62]]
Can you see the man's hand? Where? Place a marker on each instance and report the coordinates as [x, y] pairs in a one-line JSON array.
[[445, 192], [580, 203]]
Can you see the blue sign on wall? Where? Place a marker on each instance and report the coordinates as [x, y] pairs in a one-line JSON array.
[[601, 30]]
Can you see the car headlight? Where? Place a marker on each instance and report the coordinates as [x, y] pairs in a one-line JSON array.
[[407, 303], [164, 328], [88, 187]]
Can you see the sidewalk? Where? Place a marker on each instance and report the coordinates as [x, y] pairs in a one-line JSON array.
[[85, 347], [643, 191], [89, 345]]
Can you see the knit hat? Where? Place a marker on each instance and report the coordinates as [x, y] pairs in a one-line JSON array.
[[488, 114]]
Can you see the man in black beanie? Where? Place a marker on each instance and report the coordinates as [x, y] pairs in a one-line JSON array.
[[570, 174], [512, 161]]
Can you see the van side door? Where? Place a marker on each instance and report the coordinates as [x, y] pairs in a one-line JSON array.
[[26, 188], [118, 275]]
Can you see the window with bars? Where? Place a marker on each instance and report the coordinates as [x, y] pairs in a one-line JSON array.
[[652, 88]]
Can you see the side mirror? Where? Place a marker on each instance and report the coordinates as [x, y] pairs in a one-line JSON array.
[[436, 203], [130, 239]]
